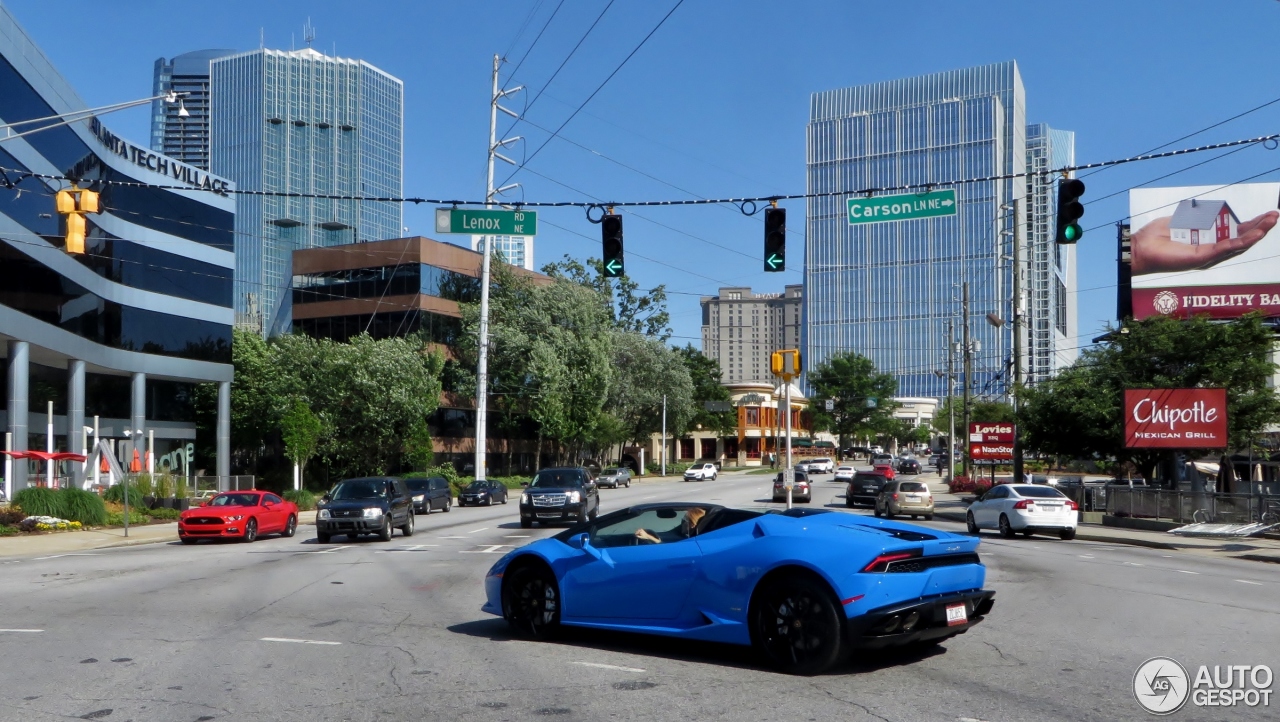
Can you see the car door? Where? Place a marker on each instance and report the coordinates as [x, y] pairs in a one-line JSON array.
[[438, 490], [625, 579], [400, 501], [276, 513], [988, 507], [497, 492]]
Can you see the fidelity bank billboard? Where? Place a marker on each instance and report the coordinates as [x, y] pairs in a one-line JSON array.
[[1208, 250]]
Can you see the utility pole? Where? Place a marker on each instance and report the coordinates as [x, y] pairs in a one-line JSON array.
[[951, 406], [968, 369], [482, 363], [664, 434], [1017, 346]]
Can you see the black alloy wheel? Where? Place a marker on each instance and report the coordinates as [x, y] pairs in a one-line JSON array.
[[384, 534], [1067, 534], [795, 624], [250, 531], [969, 522], [407, 529], [531, 602], [526, 523], [1006, 529], [322, 537], [290, 527], [448, 503]]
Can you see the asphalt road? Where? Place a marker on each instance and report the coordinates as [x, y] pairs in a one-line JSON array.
[[286, 629]]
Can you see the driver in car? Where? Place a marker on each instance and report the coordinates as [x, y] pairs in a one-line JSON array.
[[688, 527]]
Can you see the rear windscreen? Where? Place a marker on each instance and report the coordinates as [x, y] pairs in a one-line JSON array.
[[912, 486], [1038, 492]]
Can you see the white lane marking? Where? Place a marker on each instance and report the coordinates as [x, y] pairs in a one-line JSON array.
[[473, 531], [1166, 556], [597, 665], [517, 536], [296, 641], [59, 556], [1184, 571], [1085, 556], [412, 548], [24, 631], [329, 551], [453, 537], [1246, 581], [495, 549]]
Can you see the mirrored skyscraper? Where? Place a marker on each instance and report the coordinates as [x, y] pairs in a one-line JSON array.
[[181, 130], [303, 122], [887, 290]]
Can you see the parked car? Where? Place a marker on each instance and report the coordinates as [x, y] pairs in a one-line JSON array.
[[242, 515], [429, 493], [823, 465], [800, 491], [368, 505], [881, 458], [922, 586], [908, 466], [614, 477], [1025, 508], [864, 488], [885, 469], [702, 472], [483, 492], [564, 494], [905, 497], [844, 473]]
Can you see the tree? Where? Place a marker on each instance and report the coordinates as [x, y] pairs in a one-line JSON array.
[[705, 374], [418, 447], [1079, 413], [862, 397], [646, 370], [644, 313], [301, 431]]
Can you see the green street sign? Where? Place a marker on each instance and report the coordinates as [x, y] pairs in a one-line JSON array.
[[905, 207], [486, 222], [774, 260]]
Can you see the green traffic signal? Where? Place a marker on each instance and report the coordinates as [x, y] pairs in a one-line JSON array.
[[1072, 232]]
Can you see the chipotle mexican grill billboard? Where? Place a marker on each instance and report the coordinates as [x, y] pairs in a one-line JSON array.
[[1175, 418], [1208, 250]]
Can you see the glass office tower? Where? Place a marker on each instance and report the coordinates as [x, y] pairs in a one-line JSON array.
[[303, 122], [1050, 300], [887, 290], [184, 137]]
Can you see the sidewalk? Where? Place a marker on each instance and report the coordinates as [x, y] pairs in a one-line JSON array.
[[71, 542], [952, 508]]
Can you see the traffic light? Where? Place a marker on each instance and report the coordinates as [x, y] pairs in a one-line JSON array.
[[74, 203], [611, 234], [1069, 210], [775, 239]]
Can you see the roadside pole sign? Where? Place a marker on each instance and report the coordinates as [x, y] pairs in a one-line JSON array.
[[788, 478], [991, 444], [904, 207], [489, 222], [831, 405]]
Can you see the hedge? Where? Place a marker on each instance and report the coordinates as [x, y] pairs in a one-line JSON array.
[[70, 504], [305, 500]]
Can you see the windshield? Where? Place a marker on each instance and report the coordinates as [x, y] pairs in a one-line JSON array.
[[360, 489], [418, 484], [478, 485], [558, 479], [609, 472], [235, 500], [1039, 492]]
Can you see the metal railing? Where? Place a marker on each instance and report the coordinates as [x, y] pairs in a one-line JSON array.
[[1189, 507], [1088, 498], [223, 483]]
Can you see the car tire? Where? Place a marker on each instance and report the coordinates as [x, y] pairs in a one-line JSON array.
[[250, 531], [1006, 529], [795, 623], [384, 534], [290, 527], [591, 516], [969, 522], [1027, 533], [875, 511], [888, 513], [448, 503], [322, 538], [188, 540], [407, 529], [526, 523], [504, 497], [928, 517], [1067, 534], [531, 601]]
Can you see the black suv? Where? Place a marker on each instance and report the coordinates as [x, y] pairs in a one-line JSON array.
[[864, 488], [559, 495], [370, 505], [430, 493]]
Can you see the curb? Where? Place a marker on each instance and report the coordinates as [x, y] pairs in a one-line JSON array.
[[1083, 536], [123, 542]]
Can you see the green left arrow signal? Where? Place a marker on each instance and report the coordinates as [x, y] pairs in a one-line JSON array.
[[774, 260], [614, 267]]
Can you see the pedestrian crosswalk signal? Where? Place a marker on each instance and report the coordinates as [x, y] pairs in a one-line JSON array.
[[611, 235], [775, 239]]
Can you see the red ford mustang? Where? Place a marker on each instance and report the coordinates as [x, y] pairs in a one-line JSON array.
[[239, 515]]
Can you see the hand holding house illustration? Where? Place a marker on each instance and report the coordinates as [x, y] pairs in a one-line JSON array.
[[1199, 234], [1198, 222]]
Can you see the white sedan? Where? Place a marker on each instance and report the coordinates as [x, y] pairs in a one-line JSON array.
[[845, 473], [1025, 508]]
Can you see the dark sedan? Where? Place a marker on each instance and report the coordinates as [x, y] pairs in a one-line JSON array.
[[864, 488], [908, 466], [430, 493], [483, 492]]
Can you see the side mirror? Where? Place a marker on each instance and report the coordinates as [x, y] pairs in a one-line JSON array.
[[580, 541], [204, 503], [267, 504]]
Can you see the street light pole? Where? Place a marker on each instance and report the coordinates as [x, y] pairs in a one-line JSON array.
[[968, 369], [1017, 345], [951, 406]]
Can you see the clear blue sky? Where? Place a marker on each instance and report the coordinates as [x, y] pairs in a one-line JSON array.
[[716, 102]]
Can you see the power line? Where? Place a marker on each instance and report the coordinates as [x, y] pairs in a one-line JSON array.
[[536, 38], [520, 31]]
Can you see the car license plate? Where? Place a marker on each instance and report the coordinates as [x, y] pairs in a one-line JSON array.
[[956, 615], [1053, 508], [555, 515], [913, 497]]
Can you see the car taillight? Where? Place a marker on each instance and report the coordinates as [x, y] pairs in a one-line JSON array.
[[881, 563], [1072, 505], [1024, 504], [895, 496]]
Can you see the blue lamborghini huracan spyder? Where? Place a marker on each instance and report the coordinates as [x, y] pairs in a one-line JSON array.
[[801, 586]]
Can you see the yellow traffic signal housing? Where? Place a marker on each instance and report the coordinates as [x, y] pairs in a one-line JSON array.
[[75, 233], [775, 363], [66, 202], [74, 203], [89, 202], [785, 363]]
